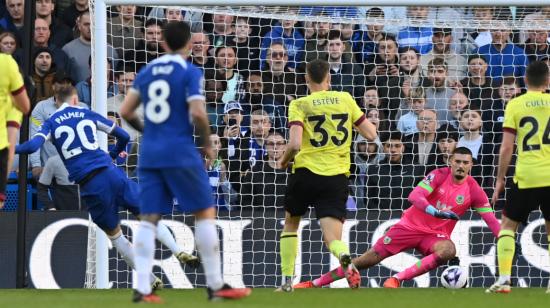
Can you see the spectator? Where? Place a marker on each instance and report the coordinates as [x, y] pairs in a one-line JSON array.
[[199, 52], [446, 138], [504, 58], [346, 32], [248, 47], [40, 40], [84, 87], [439, 89], [344, 76], [422, 144], [371, 98], [379, 120], [43, 74], [213, 90], [226, 63], [173, 14], [419, 38], [316, 47], [234, 144], [14, 20], [124, 30], [41, 112], [292, 40], [492, 112], [8, 44], [410, 77], [54, 182], [537, 46], [457, 104], [124, 81], [255, 100], [223, 33], [407, 123], [266, 185], [71, 14], [442, 40], [470, 124], [366, 154], [221, 188], [365, 41], [60, 33], [542, 15], [390, 182], [280, 82], [478, 37], [260, 127], [149, 49], [79, 50], [479, 88]]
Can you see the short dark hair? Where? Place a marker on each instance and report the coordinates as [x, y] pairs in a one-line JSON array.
[[176, 34], [317, 70], [476, 56], [218, 49], [509, 80], [65, 92], [375, 12], [154, 22], [394, 136], [462, 150], [388, 37], [335, 35], [435, 62], [537, 74]]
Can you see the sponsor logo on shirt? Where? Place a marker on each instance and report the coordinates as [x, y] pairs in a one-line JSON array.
[[459, 199], [387, 240], [429, 179]]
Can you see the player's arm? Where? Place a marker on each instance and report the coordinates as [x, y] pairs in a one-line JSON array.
[[129, 107], [293, 145], [419, 196], [32, 145], [480, 203], [17, 87], [109, 127], [360, 121], [505, 157]]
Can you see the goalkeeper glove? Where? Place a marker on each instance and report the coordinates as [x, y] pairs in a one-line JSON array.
[[431, 210]]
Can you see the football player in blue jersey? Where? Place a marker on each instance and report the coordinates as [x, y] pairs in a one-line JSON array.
[[170, 166], [103, 187]]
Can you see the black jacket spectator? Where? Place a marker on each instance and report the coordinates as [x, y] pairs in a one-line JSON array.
[[281, 86], [265, 187], [72, 12]]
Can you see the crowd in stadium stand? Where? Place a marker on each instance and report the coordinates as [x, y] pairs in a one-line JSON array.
[[426, 89]]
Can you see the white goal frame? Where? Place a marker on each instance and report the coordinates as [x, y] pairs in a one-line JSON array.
[[99, 45]]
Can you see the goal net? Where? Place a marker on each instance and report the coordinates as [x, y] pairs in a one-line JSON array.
[[429, 78]]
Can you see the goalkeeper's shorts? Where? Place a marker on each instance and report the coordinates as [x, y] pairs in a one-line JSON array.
[[327, 194], [522, 201]]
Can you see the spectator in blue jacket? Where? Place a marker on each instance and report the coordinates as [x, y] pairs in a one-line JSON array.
[[504, 58], [419, 38], [364, 42], [294, 42]]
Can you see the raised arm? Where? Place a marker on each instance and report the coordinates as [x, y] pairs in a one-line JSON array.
[[419, 196]]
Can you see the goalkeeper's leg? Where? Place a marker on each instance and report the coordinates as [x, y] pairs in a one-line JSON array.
[[443, 251], [368, 259]]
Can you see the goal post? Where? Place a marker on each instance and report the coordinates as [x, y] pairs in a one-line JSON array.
[[241, 225]]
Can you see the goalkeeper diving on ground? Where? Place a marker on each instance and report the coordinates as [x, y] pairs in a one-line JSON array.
[[103, 186], [436, 204]]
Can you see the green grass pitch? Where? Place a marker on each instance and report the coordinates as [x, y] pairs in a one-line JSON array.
[[263, 298]]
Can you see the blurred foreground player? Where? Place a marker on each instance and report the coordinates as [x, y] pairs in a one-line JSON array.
[[437, 202], [170, 166]]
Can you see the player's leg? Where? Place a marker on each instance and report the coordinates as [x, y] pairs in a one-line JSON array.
[[518, 205], [155, 200], [366, 260], [288, 244], [439, 252], [192, 189], [296, 205], [547, 222], [129, 198]]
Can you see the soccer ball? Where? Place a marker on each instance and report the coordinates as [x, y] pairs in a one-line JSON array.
[[454, 277]]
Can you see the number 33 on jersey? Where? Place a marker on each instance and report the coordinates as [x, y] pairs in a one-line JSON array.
[[327, 118]]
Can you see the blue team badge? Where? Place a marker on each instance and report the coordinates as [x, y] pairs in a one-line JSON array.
[[387, 240], [429, 178], [459, 199]]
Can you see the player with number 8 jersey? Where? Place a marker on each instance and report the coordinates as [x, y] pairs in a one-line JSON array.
[[320, 139]]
